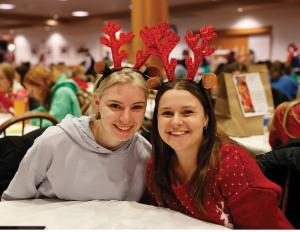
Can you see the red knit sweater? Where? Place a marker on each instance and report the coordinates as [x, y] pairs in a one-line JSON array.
[[240, 195]]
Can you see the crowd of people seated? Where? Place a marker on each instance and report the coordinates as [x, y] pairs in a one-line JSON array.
[[54, 89], [217, 182]]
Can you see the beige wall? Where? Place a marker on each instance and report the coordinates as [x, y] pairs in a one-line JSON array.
[[285, 23]]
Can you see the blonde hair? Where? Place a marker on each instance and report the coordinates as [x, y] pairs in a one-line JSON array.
[[8, 71], [124, 76]]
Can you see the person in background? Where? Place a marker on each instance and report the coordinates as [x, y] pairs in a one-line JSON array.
[[205, 67], [202, 173], [231, 65], [88, 62], [9, 88], [282, 166], [77, 74], [283, 83], [58, 98], [97, 157], [180, 70], [251, 56], [285, 124], [293, 57]]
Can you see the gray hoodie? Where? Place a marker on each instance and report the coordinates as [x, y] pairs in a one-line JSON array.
[[66, 162]]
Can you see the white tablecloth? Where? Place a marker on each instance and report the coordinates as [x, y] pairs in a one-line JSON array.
[[55, 214], [256, 143], [4, 117]]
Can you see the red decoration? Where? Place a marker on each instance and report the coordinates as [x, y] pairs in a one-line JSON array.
[[160, 42], [208, 35], [111, 29]]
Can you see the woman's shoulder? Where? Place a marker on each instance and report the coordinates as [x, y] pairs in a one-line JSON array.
[[52, 136], [141, 141], [142, 145], [233, 150], [238, 170], [234, 157]]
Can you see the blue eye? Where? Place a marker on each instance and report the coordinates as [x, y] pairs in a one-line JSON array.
[[114, 106]]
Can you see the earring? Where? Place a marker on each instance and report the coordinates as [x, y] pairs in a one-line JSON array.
[[97, 116], [205, 127]]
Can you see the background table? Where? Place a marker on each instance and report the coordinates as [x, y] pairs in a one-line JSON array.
[[15, 129], [56, 214], [257, 143]]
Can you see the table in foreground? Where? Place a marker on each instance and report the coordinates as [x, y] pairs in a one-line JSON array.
[[56, 214]]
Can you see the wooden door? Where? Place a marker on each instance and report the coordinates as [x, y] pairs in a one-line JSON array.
[[239, 44]]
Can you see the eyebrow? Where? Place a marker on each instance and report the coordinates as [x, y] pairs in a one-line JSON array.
[[182, 108], [135, 103]]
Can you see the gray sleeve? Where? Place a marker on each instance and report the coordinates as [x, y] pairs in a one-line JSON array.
[[139, 175], [31, 173]]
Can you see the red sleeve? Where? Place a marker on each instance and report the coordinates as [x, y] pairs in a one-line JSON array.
[[252, 199], [274, 139], [6, 102], [148, 196]]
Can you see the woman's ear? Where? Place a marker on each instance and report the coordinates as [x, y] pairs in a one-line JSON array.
[[96, 102]]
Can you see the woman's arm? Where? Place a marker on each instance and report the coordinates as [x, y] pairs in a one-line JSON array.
[[251, 198], [32, 171]]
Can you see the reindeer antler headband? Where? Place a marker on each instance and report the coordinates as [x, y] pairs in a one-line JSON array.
[[159, 41]]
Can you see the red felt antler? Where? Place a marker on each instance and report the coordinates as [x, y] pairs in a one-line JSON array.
[[160, 42], [208, 35], [111, 29]]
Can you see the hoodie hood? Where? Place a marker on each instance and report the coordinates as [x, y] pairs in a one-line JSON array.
[[65, 82], [78, 129]]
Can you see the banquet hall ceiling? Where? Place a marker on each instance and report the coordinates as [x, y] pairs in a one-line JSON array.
[[35, 12]]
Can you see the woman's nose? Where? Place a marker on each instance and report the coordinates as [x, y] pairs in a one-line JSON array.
[[125, 115], [177, 120]]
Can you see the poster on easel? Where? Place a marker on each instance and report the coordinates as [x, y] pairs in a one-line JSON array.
[[251, 94]]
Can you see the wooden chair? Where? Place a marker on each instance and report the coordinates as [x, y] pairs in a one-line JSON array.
[[24, 117], [85, 99]]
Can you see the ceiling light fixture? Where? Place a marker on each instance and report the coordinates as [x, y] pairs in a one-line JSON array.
[[11, 47], [80, 13], [6, 6], [51, 22], [240, 10]]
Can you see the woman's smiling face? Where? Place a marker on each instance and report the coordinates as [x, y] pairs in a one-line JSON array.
[[181, 120], [122, 108]]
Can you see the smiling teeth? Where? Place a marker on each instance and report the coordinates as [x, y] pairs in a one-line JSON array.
[[123, 128], [177, 133]]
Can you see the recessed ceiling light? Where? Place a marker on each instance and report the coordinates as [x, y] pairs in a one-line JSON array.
[[11, 47], [6, 6], [80, 13], [63, 0], [51, 22], [240, 10]]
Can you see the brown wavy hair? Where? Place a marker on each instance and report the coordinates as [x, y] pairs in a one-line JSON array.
[[41, 77], [208, 154]]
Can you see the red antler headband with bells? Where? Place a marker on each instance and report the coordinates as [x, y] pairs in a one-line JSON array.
[[159, 41]]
